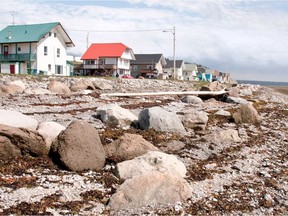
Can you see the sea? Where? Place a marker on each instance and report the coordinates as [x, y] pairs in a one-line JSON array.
[[262, 83]]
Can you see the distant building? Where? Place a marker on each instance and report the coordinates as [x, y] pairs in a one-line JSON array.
[[148, 66], [111, 59], [34, 49], [190, 72], [179, 67]]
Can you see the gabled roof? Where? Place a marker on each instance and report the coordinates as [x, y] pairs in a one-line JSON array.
[[105, 50], [148, 59], [31, 33], [170, 63]]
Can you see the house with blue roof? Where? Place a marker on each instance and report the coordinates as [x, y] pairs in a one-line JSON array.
[[34, 49]]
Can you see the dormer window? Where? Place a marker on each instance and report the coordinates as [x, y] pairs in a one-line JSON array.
[[50, 33]]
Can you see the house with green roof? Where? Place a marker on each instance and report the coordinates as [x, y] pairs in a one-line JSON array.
[[34, 49]]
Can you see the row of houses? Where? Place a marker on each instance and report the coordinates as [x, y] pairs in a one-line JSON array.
[[42, 49]]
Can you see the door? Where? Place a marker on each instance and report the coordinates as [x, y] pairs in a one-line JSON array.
[[12, 69], [6, 50]]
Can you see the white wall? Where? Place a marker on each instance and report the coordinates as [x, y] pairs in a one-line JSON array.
[[52, 43]]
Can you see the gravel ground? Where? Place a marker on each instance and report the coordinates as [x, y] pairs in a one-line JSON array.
[[245, 178]]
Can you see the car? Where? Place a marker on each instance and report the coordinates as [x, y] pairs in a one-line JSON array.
[[127, 77]]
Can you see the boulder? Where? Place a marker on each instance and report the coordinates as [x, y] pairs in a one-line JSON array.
[[8, 151], [102, 84], [246, 114], [224, 136], [213, 86], [192, 99], [83, 84], [37, 91], [11, 89], [29, 142], [16, 82], [161, 120], [233, 91], [58, 87], [79, 148], [173, 145], [152, 188], [222, 112], [196, 120], [17, 119], [128, 147], [236, 100], [152, 161], [49, 131], [115, 116]]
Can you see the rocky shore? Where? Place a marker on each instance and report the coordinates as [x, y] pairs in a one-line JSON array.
[[68, 148]]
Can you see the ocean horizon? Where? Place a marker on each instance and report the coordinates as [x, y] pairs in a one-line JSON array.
[[262, 83]]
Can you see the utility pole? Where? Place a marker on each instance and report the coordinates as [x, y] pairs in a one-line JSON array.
[[174, 49], [13, 13]]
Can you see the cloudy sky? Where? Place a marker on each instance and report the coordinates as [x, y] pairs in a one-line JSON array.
[[248, 38]]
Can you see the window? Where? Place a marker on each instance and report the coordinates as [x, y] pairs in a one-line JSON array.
[[45, 50], [55, 35], [58, 52], [19, 49], [49, 67], [50, 33], [58, 69]]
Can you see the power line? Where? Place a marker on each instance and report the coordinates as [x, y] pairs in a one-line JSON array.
[[135, 30]]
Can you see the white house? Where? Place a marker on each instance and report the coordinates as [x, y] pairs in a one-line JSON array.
[[179, 66], [107, 59], [34, 49]]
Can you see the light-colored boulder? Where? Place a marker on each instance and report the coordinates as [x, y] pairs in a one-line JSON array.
[[29, 142], [213, 86], [11, 89], [222, 112], [37, 91], [224, 136], [17, 119], [191, 99], [152, 188], [58, 87], [49, 131], [79, 147], [161, 120], [16, 82], [83, 84], [128, 147], [102, 84], [174, 145], [152, 161], [246, 114], [115, 116], [196, 120]]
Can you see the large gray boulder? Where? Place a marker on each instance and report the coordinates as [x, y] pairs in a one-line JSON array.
[[27, 141], [152, 188], [196, 120], [236, 100], [79, 147], [115, 116], [152, 161], [49, 131], [17, 119], [161, 120], [128, 147], [246, 114], [59, 88]]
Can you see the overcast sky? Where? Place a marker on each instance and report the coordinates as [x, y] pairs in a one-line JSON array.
[[248, 38]]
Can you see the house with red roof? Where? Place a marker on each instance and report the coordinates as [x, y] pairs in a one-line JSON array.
[[107, 59]]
